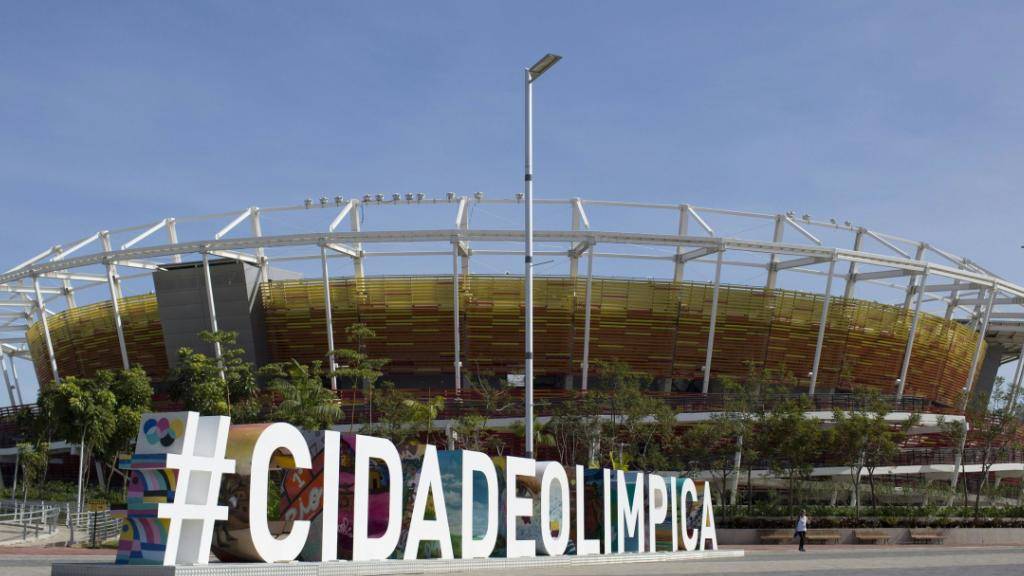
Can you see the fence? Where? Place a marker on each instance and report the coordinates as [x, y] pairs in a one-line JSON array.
[[91, 527], [30, 518]]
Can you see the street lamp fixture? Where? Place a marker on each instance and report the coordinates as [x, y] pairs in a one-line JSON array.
[[542, 65]]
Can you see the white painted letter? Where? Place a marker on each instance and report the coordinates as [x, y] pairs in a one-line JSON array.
[[606, 493], [674, 499], [364, 547], [688, 492], [630, 514], [554, 472], [583, 546], [273, 437], [658, 503], [478, 462], [707, 523], [517, 507], [329, 498], [419, 527]]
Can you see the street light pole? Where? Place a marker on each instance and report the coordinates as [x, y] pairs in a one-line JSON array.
[[532, 73]]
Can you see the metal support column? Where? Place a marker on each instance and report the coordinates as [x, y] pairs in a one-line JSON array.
[[261, 256], [17, 382], [684, 224], [172, 235], [357, 263], [822, 322], [902, 382], [118, 325], [585, 364], [329, 317], [7, 378], [780, 227], [213, 311], [455, 317], [714, 317], [910, 284], [977, 349], [41, 309], [851, 276], [1014, 386]]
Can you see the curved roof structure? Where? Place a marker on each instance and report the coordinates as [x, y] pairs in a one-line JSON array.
[[665, 242]]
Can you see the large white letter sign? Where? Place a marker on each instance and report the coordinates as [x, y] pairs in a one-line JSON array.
[[687, 493], [606, 495], [364, 547], [554, 473], [274, 437], [674, 501], [583, 546], [707, 523], [658, 503], [419, 527], [517, 507], [478, 462], [329, 498], [631, 514]]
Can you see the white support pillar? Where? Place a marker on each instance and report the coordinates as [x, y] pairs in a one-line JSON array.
[[822, 323], [118, 325], [714, 317], [902, 382], [953, 295], [7, 378], [851, 276], [172, 236], [574, 261], [105, 239], [910, 283], [455, 317], [357, 263], [17, 382], [41, 309], [329, 318], [1014, 386], [261, 256], [69, 293], [773, 273], [977, 349], [684, 225], [213, 310], [585, 364]]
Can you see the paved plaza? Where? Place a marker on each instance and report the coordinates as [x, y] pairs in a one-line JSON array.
[[833, 560]]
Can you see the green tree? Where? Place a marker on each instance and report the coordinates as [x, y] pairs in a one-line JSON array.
[[791, 442], [575, 426], [32, 459], [83, 412], [300, 396], [638, 422], [134, 393], [198, 383], [848, 442], [995, 423], [394, 417], [355, 368], [883, 441]]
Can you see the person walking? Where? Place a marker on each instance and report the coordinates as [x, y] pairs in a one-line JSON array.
[[801, 529]]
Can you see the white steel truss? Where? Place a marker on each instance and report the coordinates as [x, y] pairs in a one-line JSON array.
[[35, 287]]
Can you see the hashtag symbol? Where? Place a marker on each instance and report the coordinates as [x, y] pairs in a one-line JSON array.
[[194, 509]]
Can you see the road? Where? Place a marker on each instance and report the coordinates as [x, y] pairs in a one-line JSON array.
[[860, 561]]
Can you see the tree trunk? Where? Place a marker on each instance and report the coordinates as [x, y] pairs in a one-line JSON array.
[[871, 481]]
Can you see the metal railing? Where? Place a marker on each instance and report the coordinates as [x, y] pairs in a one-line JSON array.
[[31, 518], [91, 527]]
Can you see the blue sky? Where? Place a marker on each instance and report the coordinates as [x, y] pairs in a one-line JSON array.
[[904, 117]]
